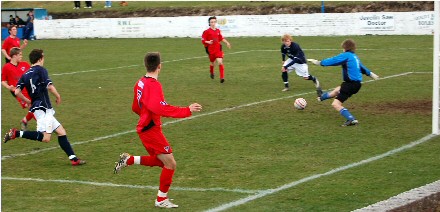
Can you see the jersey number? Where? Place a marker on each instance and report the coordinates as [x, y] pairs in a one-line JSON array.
[[32, 86]]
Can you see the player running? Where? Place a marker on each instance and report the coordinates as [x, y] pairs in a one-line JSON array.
[[211, 39], [38, 83], [11, 73], [149, 103], [352, 70], [296, 60]]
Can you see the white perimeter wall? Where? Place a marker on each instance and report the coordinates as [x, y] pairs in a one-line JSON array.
[[377, 23]]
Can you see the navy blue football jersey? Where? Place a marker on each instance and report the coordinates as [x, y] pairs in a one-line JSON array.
[[293, 52], [36, 81]]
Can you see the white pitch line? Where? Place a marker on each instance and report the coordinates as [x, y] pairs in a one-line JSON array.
[[164, 124], [199, 57], [316, 176], [88, 71], [237, 190], [185, 119], [129, 66]]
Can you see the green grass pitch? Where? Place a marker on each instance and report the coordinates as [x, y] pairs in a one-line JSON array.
[[247, 139]]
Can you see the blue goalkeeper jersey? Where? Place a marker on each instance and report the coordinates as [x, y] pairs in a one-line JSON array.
[[352, 67], [36, 80], [293, 52]]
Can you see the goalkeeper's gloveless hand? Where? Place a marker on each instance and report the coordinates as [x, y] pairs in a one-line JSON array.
[[374, 76], [316, 62]]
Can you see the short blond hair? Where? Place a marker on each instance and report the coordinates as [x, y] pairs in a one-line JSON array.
[[286, 37]]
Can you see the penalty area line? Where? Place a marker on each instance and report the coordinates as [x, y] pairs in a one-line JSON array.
[[5, 157], [316, 176], [237, 190]]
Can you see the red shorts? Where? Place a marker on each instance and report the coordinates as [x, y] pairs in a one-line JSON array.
[[155, 142], [215, 55]]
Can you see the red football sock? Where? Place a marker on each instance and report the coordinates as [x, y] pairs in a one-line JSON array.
[[166, 178], [151, 161], [222, 71], [130, 160], [29, 116], [211, 69]]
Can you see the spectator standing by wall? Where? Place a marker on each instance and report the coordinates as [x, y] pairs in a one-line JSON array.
[[29, 25]]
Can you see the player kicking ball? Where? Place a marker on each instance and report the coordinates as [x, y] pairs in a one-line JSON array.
[[352, 70], [149, 103], [296, 60]]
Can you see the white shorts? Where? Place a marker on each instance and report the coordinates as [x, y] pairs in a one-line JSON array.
[[301, 70], [46, 122]]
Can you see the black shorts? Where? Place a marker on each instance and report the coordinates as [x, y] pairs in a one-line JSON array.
[[347, 90]]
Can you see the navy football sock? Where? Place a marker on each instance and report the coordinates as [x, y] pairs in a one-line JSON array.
[[312, 78], [285, 79], [32, 135], [65, 145]]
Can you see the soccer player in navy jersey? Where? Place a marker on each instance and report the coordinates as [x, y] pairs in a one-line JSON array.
[[37, 82], [352, 70], [149, 103], [296, 60], [211, 39]]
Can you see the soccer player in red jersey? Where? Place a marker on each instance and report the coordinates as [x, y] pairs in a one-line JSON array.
[[12, 41], [211, 39], [11, 73], [150, 105]]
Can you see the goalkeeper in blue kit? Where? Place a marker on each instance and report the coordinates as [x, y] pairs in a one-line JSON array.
[[352, 70]]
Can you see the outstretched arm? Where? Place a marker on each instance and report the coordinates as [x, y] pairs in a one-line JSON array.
[[367, 72]]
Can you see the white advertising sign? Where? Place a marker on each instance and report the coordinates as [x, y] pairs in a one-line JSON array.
[[319, 24]]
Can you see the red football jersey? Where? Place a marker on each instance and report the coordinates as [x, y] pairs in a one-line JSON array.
[[10, 43], [149, 103], [214, 35], [12, 73]]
